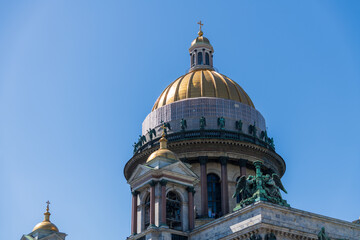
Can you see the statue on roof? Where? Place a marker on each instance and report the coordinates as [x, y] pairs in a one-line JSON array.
[[238, 125], [202, 123], [183, 124], [164, 127], [221, 123], [322, 235], [151, 133], [252, 129], [259, 187]]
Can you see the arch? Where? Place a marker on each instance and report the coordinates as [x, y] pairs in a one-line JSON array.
[[200, 58], [173, 210], [147, 211], [207, 59], [214, 195]]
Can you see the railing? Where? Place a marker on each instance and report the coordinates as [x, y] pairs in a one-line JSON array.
[[206, 134]]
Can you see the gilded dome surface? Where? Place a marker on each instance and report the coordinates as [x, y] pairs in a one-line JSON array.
[[46, 225], [163, 151], [202, 83]]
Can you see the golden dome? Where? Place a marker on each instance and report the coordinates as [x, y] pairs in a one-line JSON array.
[[163, 152], [46, 224], [200, 40], [202, 83]]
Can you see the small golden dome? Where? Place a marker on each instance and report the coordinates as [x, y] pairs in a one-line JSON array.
[[46, 224], [200, 40], [163, 152], [202, 83]]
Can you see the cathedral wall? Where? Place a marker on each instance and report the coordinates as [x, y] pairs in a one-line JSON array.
[[211, 108], [285, 222]]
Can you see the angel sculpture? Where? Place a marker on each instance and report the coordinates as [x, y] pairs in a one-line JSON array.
[[245, 187], [273, 185], [183, 124], [221, 122]]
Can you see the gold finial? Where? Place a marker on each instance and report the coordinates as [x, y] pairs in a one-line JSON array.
[[200, 33], [163, 140], [163, 127], [47, 213]]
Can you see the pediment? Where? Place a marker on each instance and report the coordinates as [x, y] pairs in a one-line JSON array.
[[180, 168], [139, 171]]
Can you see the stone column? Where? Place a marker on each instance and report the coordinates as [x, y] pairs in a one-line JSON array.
[[152, 203], [163, 203], [242, 164], [191, 192], [224, 186], [203, 182], [203, 57], [134, 213]]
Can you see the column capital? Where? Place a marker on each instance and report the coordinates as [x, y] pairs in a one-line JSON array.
[[203, 160], [242, 162], [152, 183], [163, 182], [135, 193], [223, 160], [191, 189]]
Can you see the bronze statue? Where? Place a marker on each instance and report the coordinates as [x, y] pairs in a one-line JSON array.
[[245, 187], [202, 123], [259, 187], [322, 235], [221, 123], [273, 185], [151, 133], [183, 124], [165, 126], [252, 129], [238, 125]]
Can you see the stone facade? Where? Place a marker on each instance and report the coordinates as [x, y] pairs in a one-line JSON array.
[[285, 223]]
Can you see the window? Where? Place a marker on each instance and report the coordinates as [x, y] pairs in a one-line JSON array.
[[147, 211], [200, 58], [214, 195], [207, 59], [193, 60], [173, 210]]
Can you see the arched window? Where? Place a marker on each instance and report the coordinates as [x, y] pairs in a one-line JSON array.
[[200, 58], [207, 59], [147, 211], [173, 211], [214, 195]]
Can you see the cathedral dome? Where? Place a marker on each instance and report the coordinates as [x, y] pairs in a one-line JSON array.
[[202, 83], [46, 224]]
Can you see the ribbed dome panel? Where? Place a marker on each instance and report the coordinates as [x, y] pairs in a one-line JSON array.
[[202, 83]]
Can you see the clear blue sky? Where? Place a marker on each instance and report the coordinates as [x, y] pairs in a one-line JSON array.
[[77, 78]]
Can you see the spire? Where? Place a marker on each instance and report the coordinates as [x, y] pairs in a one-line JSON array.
[[47, 213]]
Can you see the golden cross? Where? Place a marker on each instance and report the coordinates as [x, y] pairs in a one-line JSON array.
[[47, 207], [163, 128], [200, 24]]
